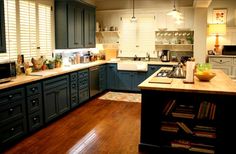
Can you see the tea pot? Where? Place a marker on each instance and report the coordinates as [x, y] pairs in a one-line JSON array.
[[177, 71]]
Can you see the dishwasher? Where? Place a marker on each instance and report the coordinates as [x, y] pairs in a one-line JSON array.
[[94, 80]]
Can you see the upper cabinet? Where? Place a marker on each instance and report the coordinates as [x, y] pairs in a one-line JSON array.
[[75, 25], [2, 29]]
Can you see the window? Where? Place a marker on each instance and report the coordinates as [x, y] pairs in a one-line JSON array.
[[28, 28]]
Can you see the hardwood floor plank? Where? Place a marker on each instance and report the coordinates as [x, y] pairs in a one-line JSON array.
[[99, 126]]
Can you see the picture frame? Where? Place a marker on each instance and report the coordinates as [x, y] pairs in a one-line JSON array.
[[219, 15]]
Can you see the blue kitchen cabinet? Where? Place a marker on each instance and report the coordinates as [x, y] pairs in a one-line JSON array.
[[102, 78], [139, 77], [112, 77], [2, 29], [74, 100], [56, 97], [152, 69], [83, 85], [34, 106], [125, 80], [13, 123]]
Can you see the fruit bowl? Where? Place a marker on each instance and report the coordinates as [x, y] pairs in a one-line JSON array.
[[205, 76]]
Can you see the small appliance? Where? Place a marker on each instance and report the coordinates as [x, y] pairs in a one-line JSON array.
[[229, 50], [165, 56], [8, 71]]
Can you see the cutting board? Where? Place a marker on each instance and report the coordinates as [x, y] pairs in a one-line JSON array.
[[161, 80]]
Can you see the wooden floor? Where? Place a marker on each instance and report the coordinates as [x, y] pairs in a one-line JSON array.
[[97, 127]]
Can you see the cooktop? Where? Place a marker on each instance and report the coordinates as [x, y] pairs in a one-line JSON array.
[[164, 73]]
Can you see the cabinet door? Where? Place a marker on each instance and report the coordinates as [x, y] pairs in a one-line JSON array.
[[102, 78], [89, 27], [139, 77], [2, 29], [111, 76], [61, 25], [50, 105], [75, 25], [125, 80], [63, 99]]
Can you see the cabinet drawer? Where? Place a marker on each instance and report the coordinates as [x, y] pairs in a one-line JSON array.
[[34, 103], [55, 82], [74, 100], [13, 131], [221, 61], [12, 95], [33, 89], [73, 87], [35, 120], [73, 76], [12, 111]]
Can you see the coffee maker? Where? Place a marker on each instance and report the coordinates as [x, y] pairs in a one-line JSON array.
[[165, 55]]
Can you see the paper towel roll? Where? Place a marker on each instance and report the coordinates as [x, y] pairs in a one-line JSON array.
[[190, 65]]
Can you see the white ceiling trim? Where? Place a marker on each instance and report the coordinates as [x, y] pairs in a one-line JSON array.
[[201, 3]]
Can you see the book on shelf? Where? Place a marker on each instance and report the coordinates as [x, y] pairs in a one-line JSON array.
[[206, 110], [169, 107], [205, 128], [169, 127], [202, 150], [180, 144], [184, 111], [184, 127], [205, 134]]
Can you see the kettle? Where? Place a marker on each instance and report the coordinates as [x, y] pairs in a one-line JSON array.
[[177, 71], [165, 56]]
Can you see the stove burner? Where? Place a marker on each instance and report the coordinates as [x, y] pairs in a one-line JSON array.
[[164, 73]]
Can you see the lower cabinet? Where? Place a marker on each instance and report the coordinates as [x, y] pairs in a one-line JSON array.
[[129, 81], [112, 77], [13, 124], [56, 97], [102, 78], [83, 85]]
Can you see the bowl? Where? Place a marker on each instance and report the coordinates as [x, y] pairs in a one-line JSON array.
[[205, 76]]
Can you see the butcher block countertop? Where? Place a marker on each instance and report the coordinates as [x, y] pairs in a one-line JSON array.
[[23, 79], [220, 84]]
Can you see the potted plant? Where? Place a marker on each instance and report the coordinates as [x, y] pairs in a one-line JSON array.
[[58, 61]]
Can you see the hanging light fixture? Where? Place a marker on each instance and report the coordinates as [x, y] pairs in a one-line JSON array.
[[133, 19], [176, 15]]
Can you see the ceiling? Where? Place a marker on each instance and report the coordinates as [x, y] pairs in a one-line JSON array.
[[127, 4]]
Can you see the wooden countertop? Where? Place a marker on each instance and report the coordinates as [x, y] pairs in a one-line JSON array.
[[220, 84], [23, 79]]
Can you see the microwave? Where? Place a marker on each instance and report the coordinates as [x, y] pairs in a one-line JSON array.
[[7, 71]]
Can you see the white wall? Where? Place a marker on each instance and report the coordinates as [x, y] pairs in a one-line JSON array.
[[230, 37], [139, 38]]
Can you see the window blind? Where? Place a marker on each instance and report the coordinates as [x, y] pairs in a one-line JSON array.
[[28, 29]]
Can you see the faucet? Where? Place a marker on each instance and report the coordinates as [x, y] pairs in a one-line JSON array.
[[147, 58]]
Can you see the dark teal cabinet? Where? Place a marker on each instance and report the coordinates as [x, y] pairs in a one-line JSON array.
[[139, 77], [56, 97], [125, 80], [102, 78], [74, 100], [75, 25], [34, 106], [83, 85], [89, 27], [13, 124], [112, 77], [2, 28]]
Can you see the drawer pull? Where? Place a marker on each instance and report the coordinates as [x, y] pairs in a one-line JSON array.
[[73, 85], [33, 89], [10, 96], [12, 129], [11, 109], [35, 118]]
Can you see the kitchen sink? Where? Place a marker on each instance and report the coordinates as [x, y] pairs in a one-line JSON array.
[[132, 66]]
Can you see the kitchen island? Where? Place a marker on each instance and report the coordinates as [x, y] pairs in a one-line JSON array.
[[188, 118]]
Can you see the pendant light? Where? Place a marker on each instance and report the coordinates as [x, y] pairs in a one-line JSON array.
[[176, 15], [133, 19]]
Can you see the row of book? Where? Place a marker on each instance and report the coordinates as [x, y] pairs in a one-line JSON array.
[[198, 130], [206, 110], [195, 147]]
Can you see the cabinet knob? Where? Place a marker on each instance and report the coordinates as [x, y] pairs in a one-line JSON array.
[[12, 129], [11, 109], [33, 89], [10, 96], [35, 118], [220, 60]]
